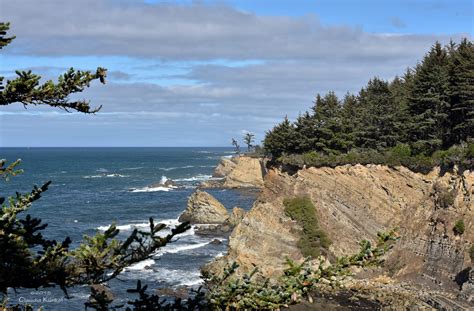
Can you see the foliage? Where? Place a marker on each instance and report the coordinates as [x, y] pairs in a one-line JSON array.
[[249, 139], [398, 155], [459, 227], [312, 238], [27, 90], [236, 146], [445, 197], [422, 119], [148, 302], [253, 292]]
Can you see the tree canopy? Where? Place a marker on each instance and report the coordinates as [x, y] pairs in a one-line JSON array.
[[429, 108]]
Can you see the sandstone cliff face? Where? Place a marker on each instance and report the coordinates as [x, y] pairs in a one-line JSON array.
[[237, 172], [203, 208], [354, 203]]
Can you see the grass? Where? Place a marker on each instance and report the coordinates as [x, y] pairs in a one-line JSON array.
[[313, 238]]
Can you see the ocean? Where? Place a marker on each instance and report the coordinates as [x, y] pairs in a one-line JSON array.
[[94, 187]]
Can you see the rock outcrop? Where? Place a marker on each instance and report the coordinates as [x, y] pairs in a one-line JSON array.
[[354, 203], [236, 216], [203, 208], [237, 172]]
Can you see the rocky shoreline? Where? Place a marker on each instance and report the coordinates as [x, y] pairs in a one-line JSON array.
[[354, 203]]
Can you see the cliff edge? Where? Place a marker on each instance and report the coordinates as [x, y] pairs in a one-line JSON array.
[[354, 203]]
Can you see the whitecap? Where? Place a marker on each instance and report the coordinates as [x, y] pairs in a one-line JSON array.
[[131, 168], [199, 177], [151, 189], [102, 170], [173, 248], [167, 169], [128, 227], [105, 175], [141, 265], [181, 277]]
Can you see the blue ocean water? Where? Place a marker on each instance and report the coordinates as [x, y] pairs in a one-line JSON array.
[[94, 187]]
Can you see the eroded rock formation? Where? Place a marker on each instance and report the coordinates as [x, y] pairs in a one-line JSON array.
[[237, 172], [203, 208], [354, 203]]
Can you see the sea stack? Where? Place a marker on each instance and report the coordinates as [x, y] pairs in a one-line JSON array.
[[203, 208]]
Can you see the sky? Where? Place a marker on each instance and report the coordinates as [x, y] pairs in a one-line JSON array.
[[198, 73]]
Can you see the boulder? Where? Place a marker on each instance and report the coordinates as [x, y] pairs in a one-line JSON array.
[[203, 208]]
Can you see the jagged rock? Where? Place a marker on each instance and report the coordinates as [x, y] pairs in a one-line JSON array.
[[237, 172], [215, 242], [166, 183], [236, 216], [353, 203], [203, 208], [212, 229], [224, 167]]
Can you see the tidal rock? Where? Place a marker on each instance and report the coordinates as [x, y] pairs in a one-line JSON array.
[[215, 242], [203, 208], [212, 229]]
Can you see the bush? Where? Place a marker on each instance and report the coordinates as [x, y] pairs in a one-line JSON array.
[[445, 196], [313, 238], [459, 227]]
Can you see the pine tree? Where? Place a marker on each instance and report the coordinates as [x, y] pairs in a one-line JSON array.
[[249, 139], [305, 136], [461, 92], [350, 118], [429, 102], [281, 139], [328, 124], [377, 112]]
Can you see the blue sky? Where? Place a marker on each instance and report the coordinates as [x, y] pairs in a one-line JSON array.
[[184, 73]]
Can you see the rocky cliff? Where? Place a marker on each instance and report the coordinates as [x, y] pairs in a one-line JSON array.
[[354, 203], [237, 172]]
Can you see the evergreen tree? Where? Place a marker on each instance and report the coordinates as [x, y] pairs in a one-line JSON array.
[[328, 124], [26, 88], [305, 136], [249, 139], [281, 139], [377, 112], [429, 102], [350, 117], [461, 92]]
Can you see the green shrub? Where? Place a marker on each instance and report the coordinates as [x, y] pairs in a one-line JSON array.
[[446, 198], [312, 238], [459, 227]]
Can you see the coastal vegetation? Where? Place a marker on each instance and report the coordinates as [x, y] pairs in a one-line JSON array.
[[422, 119], [313, 238], [298, 281], [459, 227]]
